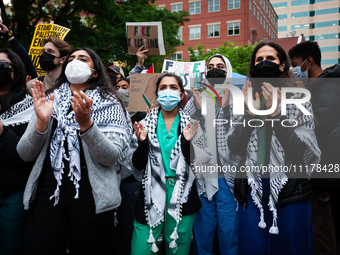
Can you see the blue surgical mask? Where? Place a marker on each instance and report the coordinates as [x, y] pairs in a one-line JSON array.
[[298, 73], [169, 99]]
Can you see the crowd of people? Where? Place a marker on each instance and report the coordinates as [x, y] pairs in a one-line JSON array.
[[81, 174]]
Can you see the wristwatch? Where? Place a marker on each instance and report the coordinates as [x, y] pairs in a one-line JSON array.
[[7, 35]]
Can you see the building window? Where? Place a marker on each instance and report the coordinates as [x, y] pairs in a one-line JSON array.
[[177, 57], [299, 2], [282, 16], [250, 5], [299, 26], [264, 23], [282, 29], [194, 33], [267, 26], [258, 14], [279, 5], [234, 28], [330, 23], [213, 31], [295, 15], [254, 10], [329, 49], [233, 4], [161, 7], [326, 11], [176, 8], [213, 5], [261, 17], [179, 34], [320, 1], [195, 8]]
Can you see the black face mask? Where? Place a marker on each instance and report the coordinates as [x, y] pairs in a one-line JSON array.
[[216, 76], [267, 69], [46, 61], [5, 74]]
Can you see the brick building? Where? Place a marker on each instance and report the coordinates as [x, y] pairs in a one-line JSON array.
[[215, 21]]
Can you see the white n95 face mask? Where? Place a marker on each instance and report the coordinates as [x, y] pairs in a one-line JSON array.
[[77, 72]]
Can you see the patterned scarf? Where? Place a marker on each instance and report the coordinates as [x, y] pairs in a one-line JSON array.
[[208, 182], [304, 131], [154, 181], [18, 114], [106, 113]]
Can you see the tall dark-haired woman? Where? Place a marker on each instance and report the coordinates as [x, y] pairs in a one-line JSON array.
[[76, 137], [275, 211], [15, 110], [169, 200]]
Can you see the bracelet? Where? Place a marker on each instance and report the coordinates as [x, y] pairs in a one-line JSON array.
[[7, 35]]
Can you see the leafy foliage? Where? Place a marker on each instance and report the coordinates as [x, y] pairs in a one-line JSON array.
[[238, 55], [97, 24]]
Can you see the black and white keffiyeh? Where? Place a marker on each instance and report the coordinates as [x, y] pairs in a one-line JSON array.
[[107, 114], [208, 182], [278, 179], [154, 181], [18, 114]]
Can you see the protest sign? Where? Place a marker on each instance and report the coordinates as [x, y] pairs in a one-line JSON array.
[[190, 72], [142, 91], [41, 32], [149, 34]]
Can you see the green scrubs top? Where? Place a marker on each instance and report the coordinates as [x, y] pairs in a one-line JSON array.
[[167, 142]]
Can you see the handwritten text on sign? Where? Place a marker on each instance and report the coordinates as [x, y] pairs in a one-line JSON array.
[[190, 72], [41, 32]]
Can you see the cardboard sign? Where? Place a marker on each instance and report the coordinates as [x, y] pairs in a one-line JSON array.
[[41, 32], [190, 72], [142, 91], [149, 34]]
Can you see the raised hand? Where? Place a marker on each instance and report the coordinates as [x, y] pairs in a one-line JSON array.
[[82, 107], [197, 99], [256, 103], [3, 28], [267, 92], [140, 131], [190, 132], [141, 56], [225, 98], [43, 109]]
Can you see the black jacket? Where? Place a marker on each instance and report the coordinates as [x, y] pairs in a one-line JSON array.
[[14, 171], [140, 159], [26, 59], [296, 189], [325, 100]]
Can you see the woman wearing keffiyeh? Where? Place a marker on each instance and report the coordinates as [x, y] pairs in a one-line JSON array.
[[169, 199], [16, 107], [76, 135], [275, 211]]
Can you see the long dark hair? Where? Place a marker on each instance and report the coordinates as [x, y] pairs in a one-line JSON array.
[[102, 80], [19, 81]]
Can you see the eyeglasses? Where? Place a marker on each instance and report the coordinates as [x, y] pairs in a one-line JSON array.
[[5, 64]]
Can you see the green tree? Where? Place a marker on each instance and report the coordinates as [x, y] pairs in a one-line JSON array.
[[238, 55], [102, 28]]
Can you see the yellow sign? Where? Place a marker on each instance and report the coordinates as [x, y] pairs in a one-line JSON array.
[[41, 32]]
